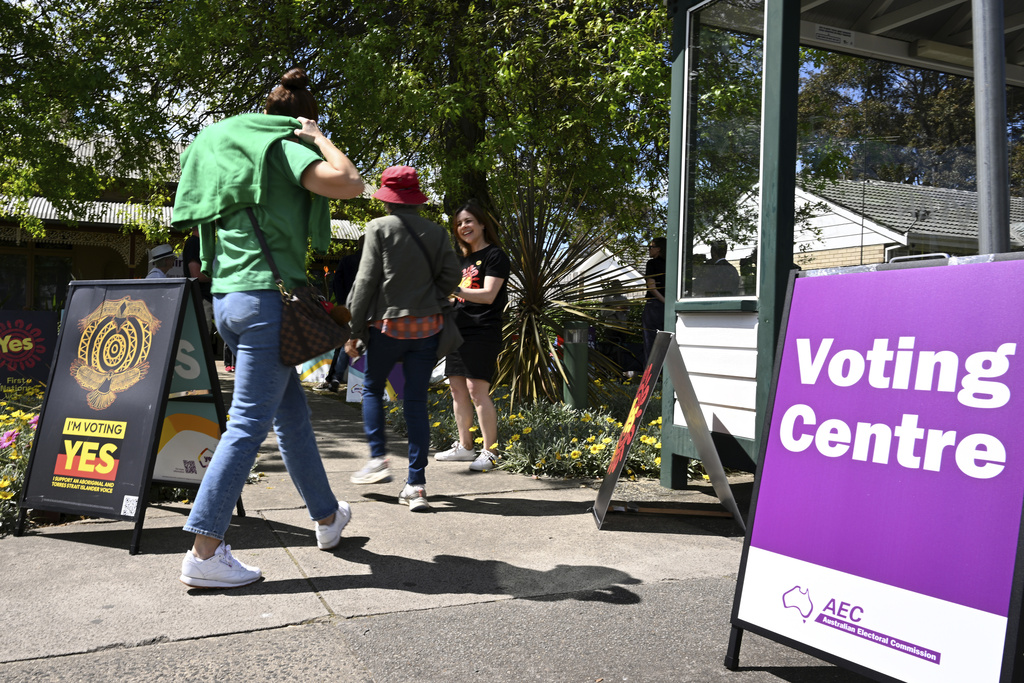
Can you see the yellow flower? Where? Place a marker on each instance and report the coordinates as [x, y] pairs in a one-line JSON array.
[[575, 454], [514, 438], [492, 446], [595, 449], [606, 439], [15, 456], [436, 424], [6, 495], [5, 482], [527, 430], [473, 428], [574, 440], [585, 417], [541, 463], [658, 445], [591, 439], [657, 461], [478, 439]]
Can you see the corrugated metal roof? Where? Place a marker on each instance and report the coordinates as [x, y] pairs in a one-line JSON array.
[[917, 209], [345, 230], [114, 214]]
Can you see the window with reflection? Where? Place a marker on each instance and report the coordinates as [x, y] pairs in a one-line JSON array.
[[722, 154], [887, 162]]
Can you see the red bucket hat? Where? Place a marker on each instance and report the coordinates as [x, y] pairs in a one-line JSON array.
[[400, 185]]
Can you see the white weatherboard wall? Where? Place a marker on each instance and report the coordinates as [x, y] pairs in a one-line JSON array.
[[720, 352]]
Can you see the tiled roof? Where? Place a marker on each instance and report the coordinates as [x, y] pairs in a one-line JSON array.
[[918, 209]]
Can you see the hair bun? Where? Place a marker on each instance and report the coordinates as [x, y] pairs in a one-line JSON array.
[[295, 79]]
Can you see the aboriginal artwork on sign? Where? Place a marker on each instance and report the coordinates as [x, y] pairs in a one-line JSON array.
[[113, 350]]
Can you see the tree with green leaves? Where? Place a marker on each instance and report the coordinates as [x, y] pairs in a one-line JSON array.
[[869, 119], [462, 89]]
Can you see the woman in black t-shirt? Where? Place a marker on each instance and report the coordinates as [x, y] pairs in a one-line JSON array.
[[480, 301]]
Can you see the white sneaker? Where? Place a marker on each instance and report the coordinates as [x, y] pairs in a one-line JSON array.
[[374, 472], [415, 497], [220, 570], [485, 462], [328, 536], [456, 452]]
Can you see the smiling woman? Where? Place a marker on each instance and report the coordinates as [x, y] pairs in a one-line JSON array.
[[480, 301]]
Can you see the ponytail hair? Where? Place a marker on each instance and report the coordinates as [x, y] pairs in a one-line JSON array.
[[292, 97]]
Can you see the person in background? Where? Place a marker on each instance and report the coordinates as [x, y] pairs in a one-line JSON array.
[[396, 313], [193, 270], [654, 310], [162, 260], [480, 301], [344, 276], [616, 315], [719, 277], [281, 166]]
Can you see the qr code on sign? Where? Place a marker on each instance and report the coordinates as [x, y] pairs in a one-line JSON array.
[[129, 506], [190, 466]]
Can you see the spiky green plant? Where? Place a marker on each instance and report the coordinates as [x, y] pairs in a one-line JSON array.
[[549, 287]]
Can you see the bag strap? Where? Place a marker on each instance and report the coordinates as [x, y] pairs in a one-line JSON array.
[[266, 252], [423, 248]]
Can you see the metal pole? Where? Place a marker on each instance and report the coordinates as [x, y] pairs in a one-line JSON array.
[[990, 127], [575, 391]]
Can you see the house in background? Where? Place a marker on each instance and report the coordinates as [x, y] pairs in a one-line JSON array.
[[34, 273], [861, 222], [857, 223]]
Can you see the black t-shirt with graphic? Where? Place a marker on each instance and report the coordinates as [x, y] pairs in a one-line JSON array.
[[489, 261]]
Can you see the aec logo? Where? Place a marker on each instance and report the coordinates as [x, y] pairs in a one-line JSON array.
[[21, 345], [799, 598]]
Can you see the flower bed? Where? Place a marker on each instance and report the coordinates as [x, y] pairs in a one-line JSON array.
[[19, 413], [553, 439]]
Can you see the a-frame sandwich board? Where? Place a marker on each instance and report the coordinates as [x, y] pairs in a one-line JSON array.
[[133, 400]]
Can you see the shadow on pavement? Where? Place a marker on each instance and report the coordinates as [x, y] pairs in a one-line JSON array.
[[456, 574]]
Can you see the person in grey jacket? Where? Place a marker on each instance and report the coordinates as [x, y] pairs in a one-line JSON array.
[[396, 313]]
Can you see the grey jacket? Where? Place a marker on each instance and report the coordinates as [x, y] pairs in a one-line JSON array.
[[394, 279]]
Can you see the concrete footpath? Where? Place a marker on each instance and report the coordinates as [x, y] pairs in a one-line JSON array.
[[506, 579]]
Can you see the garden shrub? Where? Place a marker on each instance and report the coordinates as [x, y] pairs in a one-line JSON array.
[[19, 413], [553, 439]]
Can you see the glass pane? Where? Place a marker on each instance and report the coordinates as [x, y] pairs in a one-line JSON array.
[[52, 276], [887, 162], [13, 276], [722, 156]]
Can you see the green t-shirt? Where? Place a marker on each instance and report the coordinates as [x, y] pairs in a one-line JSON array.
[[283, 215]]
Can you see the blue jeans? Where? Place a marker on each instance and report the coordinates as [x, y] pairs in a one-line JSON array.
[[418, 358], [266, 392]]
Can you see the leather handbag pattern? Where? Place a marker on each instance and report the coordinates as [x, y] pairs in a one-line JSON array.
[[307, 330]]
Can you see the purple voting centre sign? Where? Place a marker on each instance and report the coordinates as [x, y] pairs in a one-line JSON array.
[[887, 514]]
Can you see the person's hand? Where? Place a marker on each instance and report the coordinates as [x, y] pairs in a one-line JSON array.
[[309, 131], [352, 348]]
